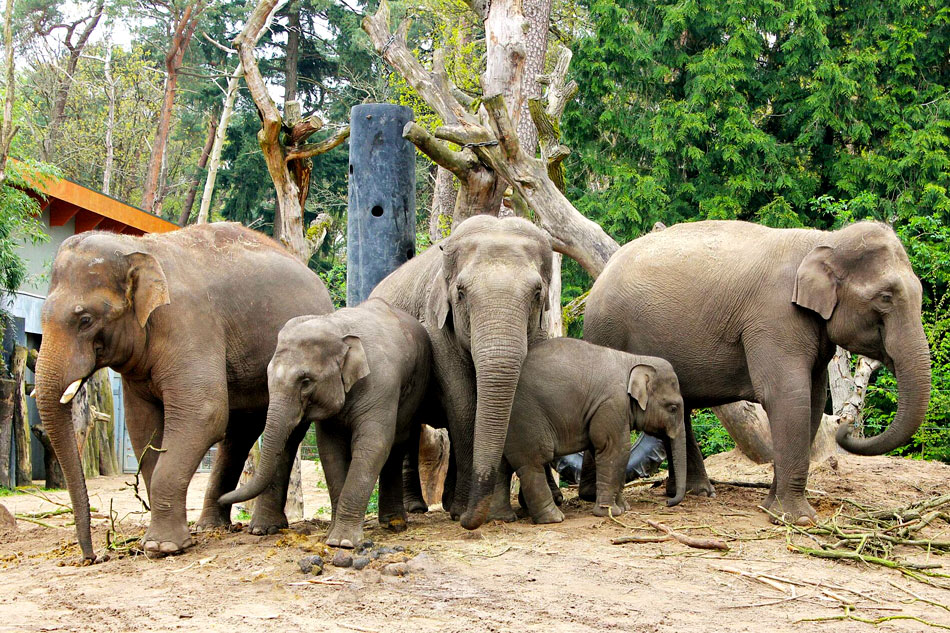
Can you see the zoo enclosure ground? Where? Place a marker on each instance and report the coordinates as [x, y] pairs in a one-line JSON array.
[[504, 577]]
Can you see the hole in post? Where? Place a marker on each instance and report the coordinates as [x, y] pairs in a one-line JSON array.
[[377, 211], [351, 169], [410, 253]]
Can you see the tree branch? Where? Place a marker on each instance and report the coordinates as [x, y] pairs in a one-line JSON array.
[[459, 163], [314, 149]]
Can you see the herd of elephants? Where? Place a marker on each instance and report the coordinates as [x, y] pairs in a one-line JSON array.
[[221, 335]]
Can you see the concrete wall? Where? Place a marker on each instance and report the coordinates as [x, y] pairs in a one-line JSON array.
[[39, 257]]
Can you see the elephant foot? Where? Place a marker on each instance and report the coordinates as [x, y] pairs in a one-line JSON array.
[[793, 509], [345, 537], [609, 509], [587, 492], [212, 520], [394, 522], [558, 496], [264, 525], [163, 542], [550, 515], [416, 505], [699, 486], [506, 514]]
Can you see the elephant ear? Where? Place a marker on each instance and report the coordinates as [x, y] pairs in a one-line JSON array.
[[638, 384], [355, 366], [146, 286], [816, 287]]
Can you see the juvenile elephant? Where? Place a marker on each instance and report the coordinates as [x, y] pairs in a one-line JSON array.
[[481, 294], [359, 374], [745, 312], [574, 396], [190, 319]]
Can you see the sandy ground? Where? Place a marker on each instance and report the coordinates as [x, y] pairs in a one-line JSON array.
[[503, 577]]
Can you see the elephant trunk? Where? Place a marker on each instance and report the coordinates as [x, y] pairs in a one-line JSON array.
[[280, 424], [678, 463], [58, 422], [499, 347], [911, 365]]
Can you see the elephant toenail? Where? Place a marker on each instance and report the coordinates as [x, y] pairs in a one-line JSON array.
[[167, 547]]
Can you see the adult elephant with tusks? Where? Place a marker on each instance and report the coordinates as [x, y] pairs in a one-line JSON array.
[[746, 312], [482, 295], [190, 319]]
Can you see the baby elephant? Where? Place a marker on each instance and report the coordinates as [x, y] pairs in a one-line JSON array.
[[573, 396], [359, 374]]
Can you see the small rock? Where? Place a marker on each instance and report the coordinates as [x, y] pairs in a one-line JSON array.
[[386, 550], [7, 520], [399, 548], [396, 569], [306, 566], [420, 563], [374, 554], [366, 544], [360, 562], [342, 559]]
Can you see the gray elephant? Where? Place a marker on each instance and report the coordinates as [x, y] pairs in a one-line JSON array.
[[190, 319], [745, 312], [481, 294], [360, 374], [574, 396]]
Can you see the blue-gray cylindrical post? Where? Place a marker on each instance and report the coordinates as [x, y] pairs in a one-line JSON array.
[[381, 213]]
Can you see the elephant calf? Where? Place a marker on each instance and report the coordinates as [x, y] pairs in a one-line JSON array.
[[360, 374], [574, 395]]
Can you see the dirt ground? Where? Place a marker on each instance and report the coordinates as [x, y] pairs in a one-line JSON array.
[[503, 577]]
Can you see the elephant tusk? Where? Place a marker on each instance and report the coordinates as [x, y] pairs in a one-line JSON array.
[[33, 393], [70, 392]]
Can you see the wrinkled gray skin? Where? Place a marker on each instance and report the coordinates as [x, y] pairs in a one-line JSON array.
[[190, 319], [481, 294], [745, 312], [359, 374], [574, 396]]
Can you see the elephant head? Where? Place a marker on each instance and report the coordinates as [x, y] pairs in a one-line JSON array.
[[658, 411], [313, 369], [102, 293], [860, 281], [492, 296]]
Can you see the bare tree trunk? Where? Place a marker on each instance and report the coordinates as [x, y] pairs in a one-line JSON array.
[[183, 30], [292, 57], [65, 83], [109, 165], [7, 129], [537, 15], [7, 399], [54, 472], [21, 418], [202, 162], [444, 195], [220, 134], [748, 425], [849, 390]]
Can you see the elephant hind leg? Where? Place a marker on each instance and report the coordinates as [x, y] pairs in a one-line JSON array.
[[392, 509], [243, 429], [269, 516]]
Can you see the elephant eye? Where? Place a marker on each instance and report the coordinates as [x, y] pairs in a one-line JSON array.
[[85, 321], [887, 297], [673, 408], [305, 382], [460, 293]]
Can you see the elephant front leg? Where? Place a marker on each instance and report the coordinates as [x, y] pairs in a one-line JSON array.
[[333, 446], [789, 407], [697, 481], [369, 452], [188, 436]]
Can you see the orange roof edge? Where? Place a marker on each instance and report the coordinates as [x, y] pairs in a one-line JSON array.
[[100, 203]]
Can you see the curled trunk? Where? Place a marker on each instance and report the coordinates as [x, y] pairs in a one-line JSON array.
[[912, 369], [277, 431]]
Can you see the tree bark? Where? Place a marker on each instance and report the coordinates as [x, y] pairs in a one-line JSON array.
[[7, 399], [202, 162], [444, 195], [537, 15], [292, 57], [849, 390], [183, 30], [55, 480], [21, 418]]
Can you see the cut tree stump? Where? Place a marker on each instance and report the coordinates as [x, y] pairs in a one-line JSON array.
[[7, 396], [21, 418]]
